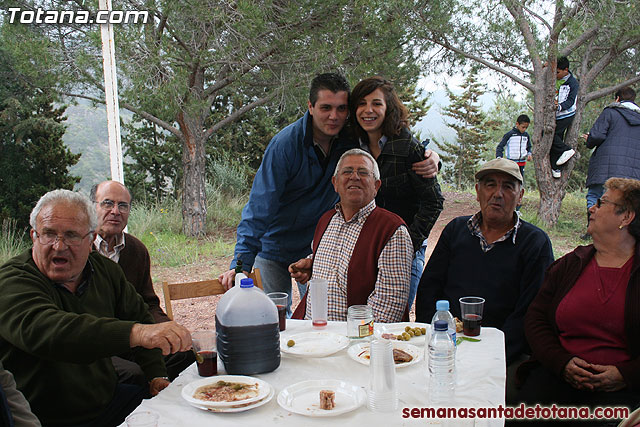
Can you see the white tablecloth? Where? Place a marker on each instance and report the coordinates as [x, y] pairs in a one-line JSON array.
[[480, 370]]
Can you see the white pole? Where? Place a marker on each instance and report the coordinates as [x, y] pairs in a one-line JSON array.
[[111, 96]]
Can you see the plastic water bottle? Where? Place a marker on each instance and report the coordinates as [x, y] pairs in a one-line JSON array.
[[443, 313], [239, 274], [441, 364]]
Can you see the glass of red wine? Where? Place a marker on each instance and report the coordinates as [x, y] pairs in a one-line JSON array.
[[280, 299], [204, 346], [471, 310]]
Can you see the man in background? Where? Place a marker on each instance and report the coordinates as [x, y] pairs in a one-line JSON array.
[[615, 135], [113, 205]]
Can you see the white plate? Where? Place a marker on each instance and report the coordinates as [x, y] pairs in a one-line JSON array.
[[314, 344], [360, 353], [237, 409], [304, 398], [398, 328], [188, 390]]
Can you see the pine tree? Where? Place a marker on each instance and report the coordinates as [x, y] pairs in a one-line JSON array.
[[33, 158], [463, 156], [155, 170]]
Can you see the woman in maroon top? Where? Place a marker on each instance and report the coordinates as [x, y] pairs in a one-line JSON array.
[[583, 326]]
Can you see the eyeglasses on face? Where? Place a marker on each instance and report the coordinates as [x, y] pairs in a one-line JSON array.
[[69, 238], [107, 204], [600, 201], [362, 172]]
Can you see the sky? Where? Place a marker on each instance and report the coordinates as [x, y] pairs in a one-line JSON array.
[[433, 125]]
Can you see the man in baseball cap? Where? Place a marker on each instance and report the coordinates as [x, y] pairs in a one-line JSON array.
[[493, 254]]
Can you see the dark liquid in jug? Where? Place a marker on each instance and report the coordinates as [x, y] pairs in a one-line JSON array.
[[248, 350]]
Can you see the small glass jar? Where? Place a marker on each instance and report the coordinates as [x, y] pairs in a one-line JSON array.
[[360, 322]]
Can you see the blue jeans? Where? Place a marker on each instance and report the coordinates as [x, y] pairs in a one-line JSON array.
[[276, 278], [417, 267], [594, 192]]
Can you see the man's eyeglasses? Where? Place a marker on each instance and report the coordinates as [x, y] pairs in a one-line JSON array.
[[69, 238], [599, 203], [362, 172], [123, 207]]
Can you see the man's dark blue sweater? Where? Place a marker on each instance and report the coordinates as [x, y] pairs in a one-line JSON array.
[[508, 277]]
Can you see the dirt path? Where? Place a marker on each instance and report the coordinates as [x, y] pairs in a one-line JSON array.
[[199, 313]]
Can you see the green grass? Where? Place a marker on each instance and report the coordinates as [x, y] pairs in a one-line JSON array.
[[159, 227], [572, 223], [173, 250], [12, 240]]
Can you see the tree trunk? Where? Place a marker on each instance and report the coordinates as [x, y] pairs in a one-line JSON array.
[[552, 190], [194, 198]]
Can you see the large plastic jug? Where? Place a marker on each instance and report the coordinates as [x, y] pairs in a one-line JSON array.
[[248, 335]]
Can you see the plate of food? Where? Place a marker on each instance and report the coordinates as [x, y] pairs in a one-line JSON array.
[[322, 398], [404, 354], [226, 391], [313, 344], [238, 408], [411, 332]]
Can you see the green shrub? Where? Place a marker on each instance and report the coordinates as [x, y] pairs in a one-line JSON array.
[[13, 240], [159, 225], [228, 176]]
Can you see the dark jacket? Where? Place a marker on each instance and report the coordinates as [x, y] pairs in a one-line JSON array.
[[417, 200], [567, 96], [59, 345], [616, 137], [136, 264], [508, 277], [540, 322]]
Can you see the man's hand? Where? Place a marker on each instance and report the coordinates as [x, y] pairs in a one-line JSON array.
[[577, 375], [227, 279], [170, 337], [301, 270], [157, 385], [427, 168], [529, 158], [607, 378]]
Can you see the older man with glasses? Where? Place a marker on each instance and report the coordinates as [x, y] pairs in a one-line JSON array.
[[113, 205], [65, 310], [364, 251]]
